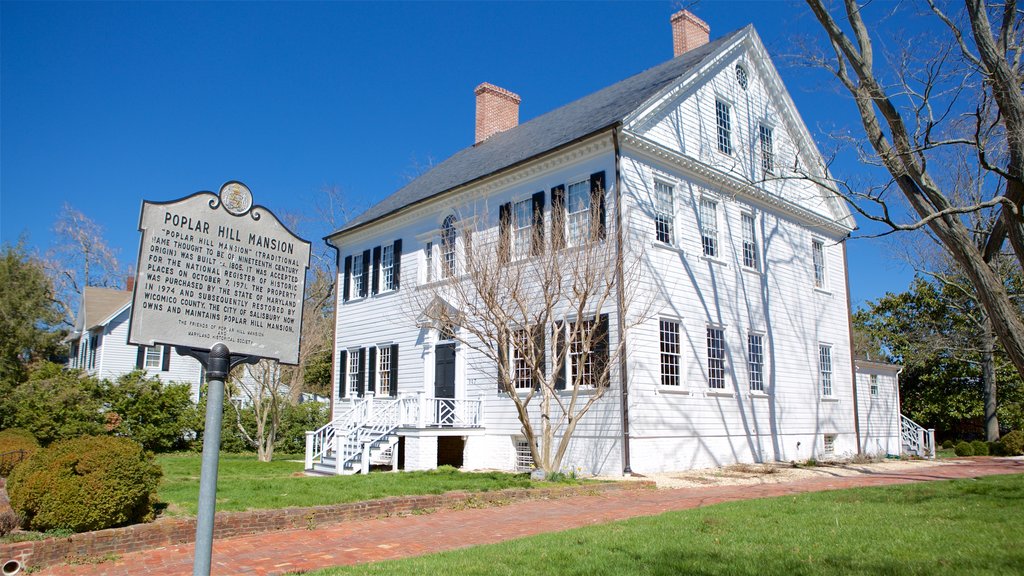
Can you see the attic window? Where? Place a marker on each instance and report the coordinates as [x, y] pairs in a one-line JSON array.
[[741, 76]]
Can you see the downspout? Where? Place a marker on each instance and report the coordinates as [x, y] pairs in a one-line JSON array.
[[621, 297], [334, 345], [853, 365]]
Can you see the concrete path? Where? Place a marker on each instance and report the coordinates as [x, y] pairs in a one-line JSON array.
[[400, 537]]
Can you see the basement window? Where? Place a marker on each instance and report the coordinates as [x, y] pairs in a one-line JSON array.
[[524, 458]]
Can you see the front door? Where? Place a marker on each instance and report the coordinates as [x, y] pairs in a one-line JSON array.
[[444, 385]]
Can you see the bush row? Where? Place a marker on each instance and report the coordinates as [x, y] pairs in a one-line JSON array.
[[1011, 444]]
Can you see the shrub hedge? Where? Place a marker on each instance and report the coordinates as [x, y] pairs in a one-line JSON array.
[[979, 447], [1013, 443], [86, 483]]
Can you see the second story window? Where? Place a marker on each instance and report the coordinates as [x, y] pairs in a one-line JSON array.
[[449, 236], [767, 149], [522, 225], [825, 369], [709, 227], [664, 214], [874, 384], [579, 213], [749, 242], [358, 278], [387, 266], [818, 261], [724, 121], [428, 261]]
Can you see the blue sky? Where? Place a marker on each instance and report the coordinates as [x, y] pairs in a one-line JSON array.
[[103, 105]]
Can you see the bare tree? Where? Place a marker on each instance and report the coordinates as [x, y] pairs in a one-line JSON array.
[[262, 388], [920, 107], [541, 315], [80, 257]]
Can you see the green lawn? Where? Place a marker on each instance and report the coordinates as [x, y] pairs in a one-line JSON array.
[[245, 484], [951, 527]]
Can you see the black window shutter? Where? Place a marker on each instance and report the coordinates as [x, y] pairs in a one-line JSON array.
[[346, 285], [561, 355], [342, 368], [140, 358], [376, 271], [502, 363], [537, 247], [371, 385], [360, 379], [504, 232], [538, 346], [365, 272], [558, 217], [396, 255], [167, 359], [601, 349], [597, 199], [394, 364]]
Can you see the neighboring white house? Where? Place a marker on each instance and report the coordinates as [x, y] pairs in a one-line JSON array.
[[99, 343], [745, 354]]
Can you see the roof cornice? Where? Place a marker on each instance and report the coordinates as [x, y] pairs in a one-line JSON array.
[[730, 183]]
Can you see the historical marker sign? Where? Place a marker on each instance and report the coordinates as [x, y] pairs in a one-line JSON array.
[[214, 268]]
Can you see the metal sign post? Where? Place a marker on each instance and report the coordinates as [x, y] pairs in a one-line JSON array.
[[216, 276]]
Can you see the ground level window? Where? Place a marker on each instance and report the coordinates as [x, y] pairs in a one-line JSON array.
[[670, 348], [384, 371], [154, 356], [524, 458], [755, 361], [353, 373], [830, 444], [716, 358], [825, 369]]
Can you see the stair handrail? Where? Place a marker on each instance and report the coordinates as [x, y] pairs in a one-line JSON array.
[[323, 437], [917, 437]]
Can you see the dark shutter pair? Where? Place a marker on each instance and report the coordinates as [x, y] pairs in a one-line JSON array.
[[343, 373], [504, 347], [597, 207], [140, 358], [600, 352], [371, 261]]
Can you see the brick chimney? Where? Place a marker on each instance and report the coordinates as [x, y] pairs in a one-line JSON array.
[[129, 283], [497, 110], [688, 32]]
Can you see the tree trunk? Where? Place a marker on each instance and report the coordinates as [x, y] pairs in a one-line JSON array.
[[988, 377]]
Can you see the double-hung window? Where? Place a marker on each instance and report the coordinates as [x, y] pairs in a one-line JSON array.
[[874, 384], [670, 352], [354, 374], [358, 278], [449, 236], [818, 261], [825, 369], [387, 267], [384, 361], [722, 116], [767, 149], [755, 362], [716, 358], [581, 359], [709, 226], [522, 226], [578, 213], [428, 262], [522, 375], [750, 259], [664, 215], [154, 357]]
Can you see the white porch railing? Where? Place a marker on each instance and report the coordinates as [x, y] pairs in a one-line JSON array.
[[421, 411], [916, 438]]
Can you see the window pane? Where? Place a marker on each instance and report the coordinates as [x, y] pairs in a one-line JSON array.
[[755, 352], [825, 368], [724, 127], [670, 350], [818, 255], [384, 371], [522, 376], [749, 242], [522, 225], [154, 356], [579, 212], [767, 149], [387, 266], [664, 214], [716, 358], [357, 275], [709, 227], [353, 373]]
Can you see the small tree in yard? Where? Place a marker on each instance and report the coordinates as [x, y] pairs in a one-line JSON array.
[[267, 395], [541, 313]]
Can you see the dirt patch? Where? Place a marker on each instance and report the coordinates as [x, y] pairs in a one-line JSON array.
[[777, 472]]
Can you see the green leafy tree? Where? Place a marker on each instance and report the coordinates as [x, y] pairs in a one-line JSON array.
[[158, 415], [28, 315], [56, 403]]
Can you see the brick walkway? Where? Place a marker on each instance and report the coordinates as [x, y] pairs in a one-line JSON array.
[[399, 537]]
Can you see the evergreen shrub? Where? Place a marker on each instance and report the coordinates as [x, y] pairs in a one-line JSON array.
[[947, 444], [963, 449], [980, 447], [84, 484], [1013, 443]]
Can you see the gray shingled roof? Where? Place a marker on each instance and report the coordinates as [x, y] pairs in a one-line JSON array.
[[547, 132]]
